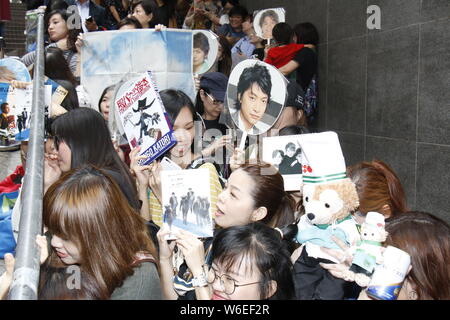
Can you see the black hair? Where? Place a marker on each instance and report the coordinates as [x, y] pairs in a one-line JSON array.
[[56, 5], [224, 64], [4, 104], [57, 69], [149, 6], [233, 2], [293, 130], [306, 33], [238, 11], [129, 21], [86, 133], [201, 42], [283, 33], [56, 66], [73, 32], [258, 74], [269, 13], [107, 89], [261, 245], [199, 106], [173, 101]]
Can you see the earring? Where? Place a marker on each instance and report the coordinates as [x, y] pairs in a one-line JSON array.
[[412, 295]]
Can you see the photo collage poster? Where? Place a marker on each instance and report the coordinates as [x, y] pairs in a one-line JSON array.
[[186, 201], [143, 117], [285, 154], [20, 103]]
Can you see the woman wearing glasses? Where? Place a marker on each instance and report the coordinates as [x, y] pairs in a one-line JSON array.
[[209, 105], [254, 193], [249, 262]]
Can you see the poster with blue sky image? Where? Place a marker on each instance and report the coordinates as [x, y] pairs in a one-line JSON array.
[[111, 56]]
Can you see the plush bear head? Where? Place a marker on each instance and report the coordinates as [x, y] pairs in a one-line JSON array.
[[373, 228], [330, 202]]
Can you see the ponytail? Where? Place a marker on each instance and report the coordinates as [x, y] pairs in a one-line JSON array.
[[286, 211], [396, 192]]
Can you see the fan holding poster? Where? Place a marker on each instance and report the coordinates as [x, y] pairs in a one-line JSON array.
[[143, 117]]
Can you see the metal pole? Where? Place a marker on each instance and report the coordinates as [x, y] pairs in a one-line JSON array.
[[26, 270]]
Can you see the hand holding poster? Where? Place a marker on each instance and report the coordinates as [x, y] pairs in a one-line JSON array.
[[186, 201], [143, 117]]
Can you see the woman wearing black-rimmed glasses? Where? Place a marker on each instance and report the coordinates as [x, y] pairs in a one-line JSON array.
[[249, 262]]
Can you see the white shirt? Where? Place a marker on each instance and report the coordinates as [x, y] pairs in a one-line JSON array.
[[83, 10]]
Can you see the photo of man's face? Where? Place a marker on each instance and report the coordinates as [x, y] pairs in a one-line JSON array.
[[253, 105]]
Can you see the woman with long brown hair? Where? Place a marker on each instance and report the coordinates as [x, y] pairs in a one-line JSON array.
[[92, 226], [427, 240], [379, 189]]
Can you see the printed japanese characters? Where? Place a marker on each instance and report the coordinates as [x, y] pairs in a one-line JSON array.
[[143, 118]]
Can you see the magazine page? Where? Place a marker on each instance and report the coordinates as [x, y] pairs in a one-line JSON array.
[[143, 117], [186, 201]]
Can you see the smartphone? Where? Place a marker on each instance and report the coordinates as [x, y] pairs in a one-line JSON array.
[[89, 19], [168, 164]]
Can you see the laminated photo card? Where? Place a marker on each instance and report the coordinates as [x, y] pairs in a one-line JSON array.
[[285, 154], [186, 202], [143, 117]]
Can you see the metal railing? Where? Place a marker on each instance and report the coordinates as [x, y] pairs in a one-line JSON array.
[[26, 270]]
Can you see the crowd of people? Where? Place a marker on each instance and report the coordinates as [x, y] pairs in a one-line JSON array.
[[102, 210]]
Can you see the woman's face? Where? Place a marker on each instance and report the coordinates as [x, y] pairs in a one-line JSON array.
[[267, 26], [66, 250], [235, 204], [143, 18], [64, 157], [199, 57], [104, 105], [246, 280], [184, 133], [212, 107], [236, 21], [57, 28]]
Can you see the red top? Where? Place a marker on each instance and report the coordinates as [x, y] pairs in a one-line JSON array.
[[279, 56], [12, 182], [5, 11]]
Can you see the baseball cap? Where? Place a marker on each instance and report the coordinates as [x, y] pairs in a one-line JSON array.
[[216, 83]]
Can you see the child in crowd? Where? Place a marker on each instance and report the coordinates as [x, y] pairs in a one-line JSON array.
[[284, 50]]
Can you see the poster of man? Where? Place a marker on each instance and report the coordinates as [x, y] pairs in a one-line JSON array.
[[266, 19], [285, 154], [186, 201], [204, 51], [256, 95]]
